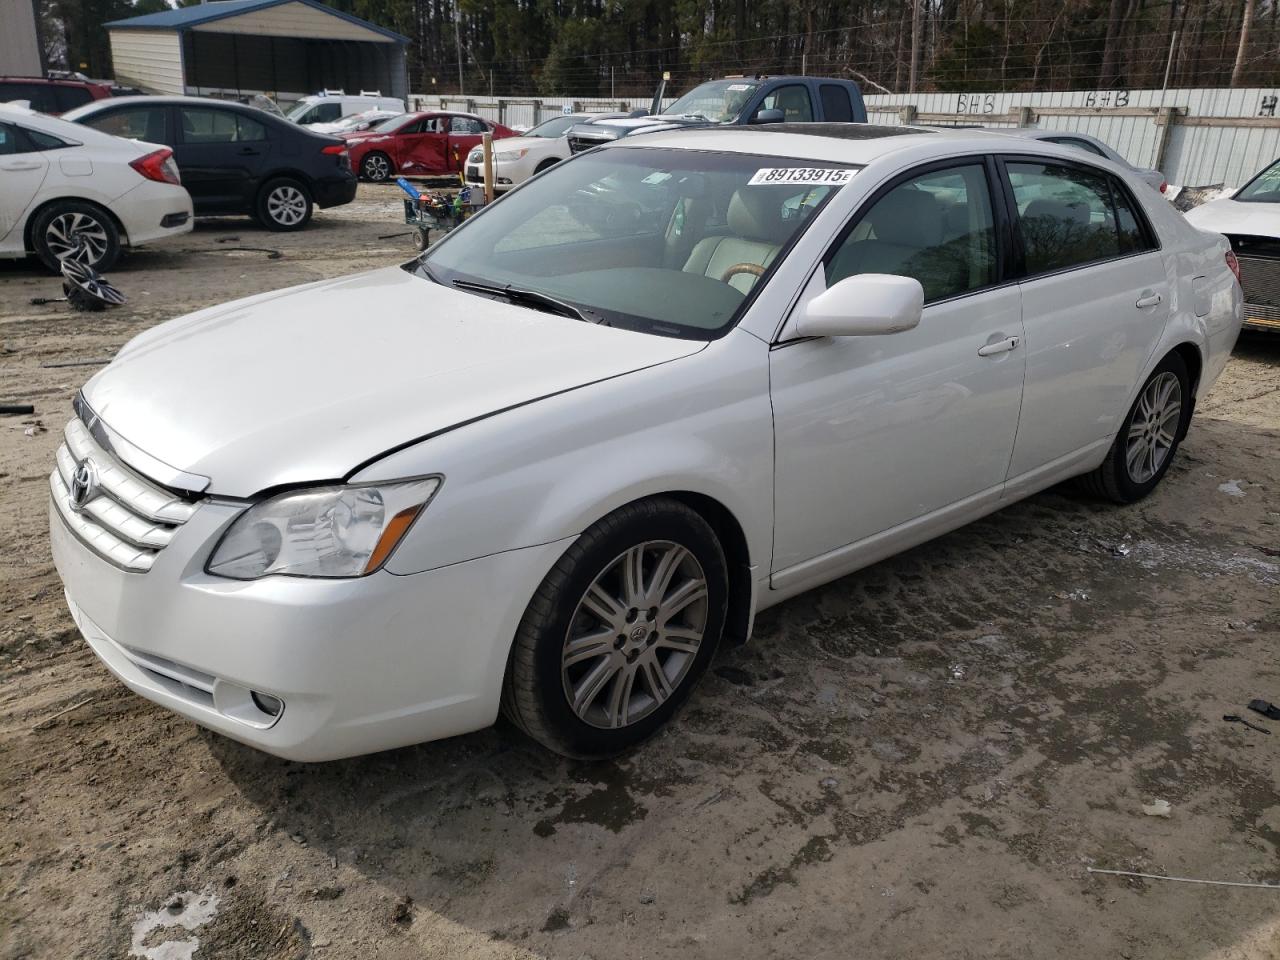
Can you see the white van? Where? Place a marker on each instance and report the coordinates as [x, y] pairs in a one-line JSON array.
[[330, 105]]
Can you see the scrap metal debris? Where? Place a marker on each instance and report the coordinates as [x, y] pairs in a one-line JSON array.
[[12, 409], [1267, 709], [1156, 876], [1235, 718], [95, 362]]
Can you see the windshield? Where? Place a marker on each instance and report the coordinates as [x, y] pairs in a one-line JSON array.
[[302, 107], [1264, 188], [555, 127], [394, 123], [669, 242], [719, 101], [357, 120]]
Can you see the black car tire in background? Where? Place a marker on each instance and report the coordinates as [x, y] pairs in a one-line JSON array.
[[376, 167], [284, 204], [60, 227]]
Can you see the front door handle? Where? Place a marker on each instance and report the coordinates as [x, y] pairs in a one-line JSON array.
[[248, 152], [1000, 346], [1148, 300]]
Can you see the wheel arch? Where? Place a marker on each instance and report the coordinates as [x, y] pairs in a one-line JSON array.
[[1194, 360], [28, 229], [286, 173]]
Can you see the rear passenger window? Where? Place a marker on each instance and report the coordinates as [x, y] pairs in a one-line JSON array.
[[134, 123], [936, 227], [835, 103], [44, 141], [249, 130], [1068, 217], [68, 98]]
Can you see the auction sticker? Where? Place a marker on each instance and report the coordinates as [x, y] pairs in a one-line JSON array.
[[768, 175]]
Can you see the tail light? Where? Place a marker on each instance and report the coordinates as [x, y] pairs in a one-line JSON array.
[[1164, 185], [1234, 265], [158, 166], [337, 150]]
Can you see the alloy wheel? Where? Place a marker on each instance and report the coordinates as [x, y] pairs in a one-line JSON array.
[[635, 634], [376, 167], [1153, 430], [77, 236], [286, 205]]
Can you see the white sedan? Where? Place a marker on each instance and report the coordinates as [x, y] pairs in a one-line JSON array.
[[586, 437], [1250, 220], [1082, 141], [516, 159], [69, 191]]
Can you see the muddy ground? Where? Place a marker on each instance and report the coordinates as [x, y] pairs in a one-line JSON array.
[[920, 760]]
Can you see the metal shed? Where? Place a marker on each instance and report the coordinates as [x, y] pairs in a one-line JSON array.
[[285, 48]]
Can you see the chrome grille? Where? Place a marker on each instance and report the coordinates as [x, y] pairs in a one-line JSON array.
[[128, 520]]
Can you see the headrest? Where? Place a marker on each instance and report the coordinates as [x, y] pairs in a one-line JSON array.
[[1076, 214], [755, 213], [909, 217]]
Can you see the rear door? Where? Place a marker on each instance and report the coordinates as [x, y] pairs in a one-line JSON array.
[[22, 171], [464, 133], [221, 154], [1095, 300]]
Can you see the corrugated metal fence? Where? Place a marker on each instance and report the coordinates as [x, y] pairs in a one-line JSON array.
[[1196, 137]]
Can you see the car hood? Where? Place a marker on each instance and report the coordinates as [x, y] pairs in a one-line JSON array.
[[1234, 216], [305, 385]]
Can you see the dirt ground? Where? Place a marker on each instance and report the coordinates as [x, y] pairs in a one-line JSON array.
[[920, 760]]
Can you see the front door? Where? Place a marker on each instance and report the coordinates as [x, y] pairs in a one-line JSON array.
[[1096, 300], [875, 432], [221, 155], [423, 149]]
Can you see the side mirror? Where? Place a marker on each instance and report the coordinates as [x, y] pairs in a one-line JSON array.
[[769, 116], [864, 305]]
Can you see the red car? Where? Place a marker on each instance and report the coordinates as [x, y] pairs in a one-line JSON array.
[[52, 96], [419, 144]]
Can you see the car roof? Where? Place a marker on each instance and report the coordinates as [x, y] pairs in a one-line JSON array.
[[148, 99], [838, 142]]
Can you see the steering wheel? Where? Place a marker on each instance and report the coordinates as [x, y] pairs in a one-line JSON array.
[[752, 268]]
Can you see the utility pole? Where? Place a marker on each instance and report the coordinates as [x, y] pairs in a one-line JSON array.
[[457, 41], [915, 46], [1244, 43]]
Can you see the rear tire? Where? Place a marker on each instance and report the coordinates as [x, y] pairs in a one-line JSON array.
[[59, 228], [376, 167], [284, 204], [619, 632], [1149, 437]]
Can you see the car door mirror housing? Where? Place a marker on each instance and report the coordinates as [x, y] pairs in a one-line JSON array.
[[769, 116], [865, 305]]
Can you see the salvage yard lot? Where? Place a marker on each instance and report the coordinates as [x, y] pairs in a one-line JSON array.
[[921, 759]]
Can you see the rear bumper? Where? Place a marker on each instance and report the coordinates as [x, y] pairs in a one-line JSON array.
[[360, 665], [145, 210], [334, 191]]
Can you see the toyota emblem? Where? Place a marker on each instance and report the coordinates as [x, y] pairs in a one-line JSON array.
[[84, 483]]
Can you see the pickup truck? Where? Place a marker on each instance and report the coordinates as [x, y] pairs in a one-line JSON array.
[[735, 101]]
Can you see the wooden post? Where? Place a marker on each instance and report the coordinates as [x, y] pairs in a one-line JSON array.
[[907, 114], [1024, 117], [488, 167], [1164, 133]]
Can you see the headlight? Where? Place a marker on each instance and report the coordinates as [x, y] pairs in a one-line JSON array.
[[475, 156], [344, 531], [509, 155]]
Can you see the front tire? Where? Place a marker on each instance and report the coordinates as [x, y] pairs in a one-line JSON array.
[[619, 632], [376, 167], [1149, 437], [78, 230], [284, 204]]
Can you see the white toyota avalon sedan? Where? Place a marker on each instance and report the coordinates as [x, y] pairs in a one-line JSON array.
[[547, 467]]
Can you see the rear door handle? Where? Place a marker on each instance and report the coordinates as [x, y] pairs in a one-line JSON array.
[[1149, 300], [1000, 346], [20, 165]]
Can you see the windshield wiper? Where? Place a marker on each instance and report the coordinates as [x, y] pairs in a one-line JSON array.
[[530, 298]]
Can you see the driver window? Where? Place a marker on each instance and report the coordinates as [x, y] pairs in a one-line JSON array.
[[936, 227], [793, 100]]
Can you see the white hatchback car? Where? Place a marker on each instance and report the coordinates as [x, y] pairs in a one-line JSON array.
[[585, 437], [66, 190], [516, 159]]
